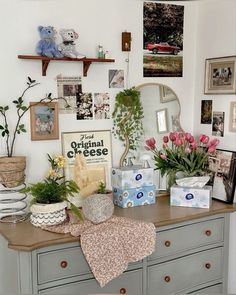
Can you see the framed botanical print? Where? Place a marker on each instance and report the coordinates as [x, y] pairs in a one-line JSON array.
[[220, 75], [44, 120]]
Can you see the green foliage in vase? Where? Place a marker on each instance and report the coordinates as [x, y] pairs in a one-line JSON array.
[[54, 188], [101, 188]]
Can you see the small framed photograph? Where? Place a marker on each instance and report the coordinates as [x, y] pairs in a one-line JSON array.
[[218, 124], [222, 169], [220, 75], [44, 120], [232, 117], [206, 112], [116, 78], [162, 122], [166, 94]]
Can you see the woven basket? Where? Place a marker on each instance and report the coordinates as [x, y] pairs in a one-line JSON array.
[[12, 171]]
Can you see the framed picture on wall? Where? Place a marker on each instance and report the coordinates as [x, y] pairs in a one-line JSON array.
[[44, 120], [222, 169], [232, 117], [162, 123], [220, 75]]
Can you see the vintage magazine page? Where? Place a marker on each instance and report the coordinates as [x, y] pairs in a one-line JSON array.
[[95, 146], [68, 88]]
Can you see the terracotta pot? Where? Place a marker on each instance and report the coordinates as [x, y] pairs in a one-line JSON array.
[[48, 214], [12, 171]]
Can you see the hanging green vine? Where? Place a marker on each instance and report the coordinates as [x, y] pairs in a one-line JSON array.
[[127, 116]]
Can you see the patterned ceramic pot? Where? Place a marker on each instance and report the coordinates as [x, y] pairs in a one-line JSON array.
[[48, 214]]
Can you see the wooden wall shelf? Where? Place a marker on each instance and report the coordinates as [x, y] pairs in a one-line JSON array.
[[46, 60]]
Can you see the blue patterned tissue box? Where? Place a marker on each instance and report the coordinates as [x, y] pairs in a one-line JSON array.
[[126, 198], [194, 197], [131, 177]]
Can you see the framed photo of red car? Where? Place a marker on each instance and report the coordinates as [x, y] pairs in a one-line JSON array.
[[44, 120], [222, 170], [220, 75]]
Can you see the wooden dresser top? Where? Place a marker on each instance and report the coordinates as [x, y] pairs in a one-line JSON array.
[[25, 237]]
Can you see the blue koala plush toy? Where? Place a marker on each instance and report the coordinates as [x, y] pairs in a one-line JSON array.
[[47, 45]]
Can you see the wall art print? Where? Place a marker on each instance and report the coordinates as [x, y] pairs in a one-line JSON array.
[[101, 106], [220, 75], [232, 117], [116, 78], [95, 146], [218, 124], [162, 40], [206, 112], [84, 102]]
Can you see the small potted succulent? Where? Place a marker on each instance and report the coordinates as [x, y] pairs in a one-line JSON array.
[[50, 196], [128, 120]]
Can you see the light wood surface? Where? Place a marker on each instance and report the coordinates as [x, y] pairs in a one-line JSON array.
[[24, 236]]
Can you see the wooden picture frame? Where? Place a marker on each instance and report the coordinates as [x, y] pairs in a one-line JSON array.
[[162, 121], [222, 170], [44, 120], [232, 117], [166, 94], [220, 75]]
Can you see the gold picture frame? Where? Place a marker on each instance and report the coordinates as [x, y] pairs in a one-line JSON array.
[[44, 120]]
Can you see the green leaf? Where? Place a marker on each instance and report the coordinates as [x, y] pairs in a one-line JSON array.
[[76, 211], [6, 108], [15, 101], [1, 127]]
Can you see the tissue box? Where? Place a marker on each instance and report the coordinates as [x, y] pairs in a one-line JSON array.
[[191, 196], [131, 177], [134, 197]]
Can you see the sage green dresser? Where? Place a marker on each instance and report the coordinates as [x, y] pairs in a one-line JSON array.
[[191, 256]]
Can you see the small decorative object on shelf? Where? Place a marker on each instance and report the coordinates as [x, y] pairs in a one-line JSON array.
[[13, 204], [100, 51], [107, 55], [68, 47], [50, 197], [47, 46]]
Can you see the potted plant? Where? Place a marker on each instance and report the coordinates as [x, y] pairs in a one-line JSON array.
[[50, 196], [12, 167], [128, 116]]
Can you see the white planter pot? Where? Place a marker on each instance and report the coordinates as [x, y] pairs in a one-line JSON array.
[[48, 214]]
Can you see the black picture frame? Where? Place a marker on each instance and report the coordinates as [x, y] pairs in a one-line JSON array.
[[222, 170]]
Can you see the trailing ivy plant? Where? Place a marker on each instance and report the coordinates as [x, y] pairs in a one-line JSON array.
[[128, 119], [21, 109]]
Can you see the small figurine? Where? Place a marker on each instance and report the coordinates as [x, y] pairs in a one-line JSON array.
[[68, 47]]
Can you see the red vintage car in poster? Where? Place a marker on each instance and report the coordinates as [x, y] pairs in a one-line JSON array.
[[163, 48]]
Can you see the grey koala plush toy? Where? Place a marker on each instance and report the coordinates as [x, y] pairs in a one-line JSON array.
[[68, 46]]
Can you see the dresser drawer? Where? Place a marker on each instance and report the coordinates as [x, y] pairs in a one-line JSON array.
[[59, 264], [188, 237], [185, 272], [215, 289], [129, 282]]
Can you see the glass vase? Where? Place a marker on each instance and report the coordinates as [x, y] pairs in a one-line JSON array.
[[171, 178]]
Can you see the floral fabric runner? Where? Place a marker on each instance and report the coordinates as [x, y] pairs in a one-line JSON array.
[[109, 246]]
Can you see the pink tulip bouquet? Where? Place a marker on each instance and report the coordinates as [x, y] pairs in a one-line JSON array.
[[182, 152]]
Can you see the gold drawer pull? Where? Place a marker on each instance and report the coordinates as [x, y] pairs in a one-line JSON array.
[[122, 291], [64, 264], [208, 232], [167, 243], [167, 279], [208, 265]]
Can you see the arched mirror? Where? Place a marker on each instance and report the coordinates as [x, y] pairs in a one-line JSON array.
[[161, 107], [162, 110]]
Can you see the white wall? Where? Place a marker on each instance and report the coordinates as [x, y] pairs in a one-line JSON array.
[[216, 37], [101, 22]]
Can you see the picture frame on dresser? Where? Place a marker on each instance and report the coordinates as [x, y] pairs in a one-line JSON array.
[[44, 120], [95, 148], [222, 170], [220, 75]]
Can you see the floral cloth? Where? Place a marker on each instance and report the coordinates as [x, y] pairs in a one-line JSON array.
[[109, 246]]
